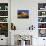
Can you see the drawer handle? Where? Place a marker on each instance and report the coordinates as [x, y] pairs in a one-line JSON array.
[[43, 39], [1, 39]]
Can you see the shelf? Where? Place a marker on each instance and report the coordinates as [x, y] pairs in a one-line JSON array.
[[3, 22], [42, 16], [3, 16], [4, 19], [42, 19], [41, 28], [41, 10], [41, 22], [3, 10]]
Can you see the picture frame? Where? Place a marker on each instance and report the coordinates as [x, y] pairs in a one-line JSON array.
[[23, 14]]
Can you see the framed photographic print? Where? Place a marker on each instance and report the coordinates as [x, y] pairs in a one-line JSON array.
[[23, 14], [3, 19], [4, 29], [42, 32], [41, 25]]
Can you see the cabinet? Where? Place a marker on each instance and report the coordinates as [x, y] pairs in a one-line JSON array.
[[4, 22], [42, 19], [3, 40]]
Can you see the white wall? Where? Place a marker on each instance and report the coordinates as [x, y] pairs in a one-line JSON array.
[[32, 6], [23, 24]]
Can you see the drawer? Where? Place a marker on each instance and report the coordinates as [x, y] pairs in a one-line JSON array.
[[3, 41]]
